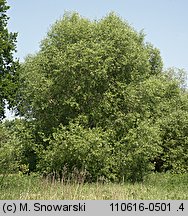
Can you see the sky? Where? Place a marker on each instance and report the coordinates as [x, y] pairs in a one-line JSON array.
[[165, 22]]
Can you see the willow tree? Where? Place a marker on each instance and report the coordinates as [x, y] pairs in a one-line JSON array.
[[97, 88], [79, 64]]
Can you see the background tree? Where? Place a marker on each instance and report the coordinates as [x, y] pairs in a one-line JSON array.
[[7, 63]]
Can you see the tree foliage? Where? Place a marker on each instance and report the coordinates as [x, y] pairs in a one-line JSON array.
[[17, 146], [100, 101], [79, 64], [8, 65]]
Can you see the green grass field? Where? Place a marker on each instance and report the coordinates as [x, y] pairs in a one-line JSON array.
[[155, 187]]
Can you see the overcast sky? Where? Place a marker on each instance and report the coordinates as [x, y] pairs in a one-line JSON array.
[[165, 22]]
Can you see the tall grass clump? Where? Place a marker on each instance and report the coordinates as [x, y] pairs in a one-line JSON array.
[[35, 187]]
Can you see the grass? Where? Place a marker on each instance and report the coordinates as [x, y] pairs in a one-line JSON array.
[[155, 187]]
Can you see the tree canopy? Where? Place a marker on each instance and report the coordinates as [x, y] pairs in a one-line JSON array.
[[7, 63], [97, 98], [80, 65]]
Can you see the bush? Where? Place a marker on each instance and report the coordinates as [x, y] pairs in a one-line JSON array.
[[83, 149], [99, 154], [174, 135], [8, 143], [18, 148]]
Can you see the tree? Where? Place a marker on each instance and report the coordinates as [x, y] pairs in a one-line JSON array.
[[7, 64], [81, 62], [97, 88]]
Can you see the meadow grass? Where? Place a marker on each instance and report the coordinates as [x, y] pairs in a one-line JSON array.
[[155, 187]]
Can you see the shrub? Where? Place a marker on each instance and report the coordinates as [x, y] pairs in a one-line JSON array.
[[97, 152]]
